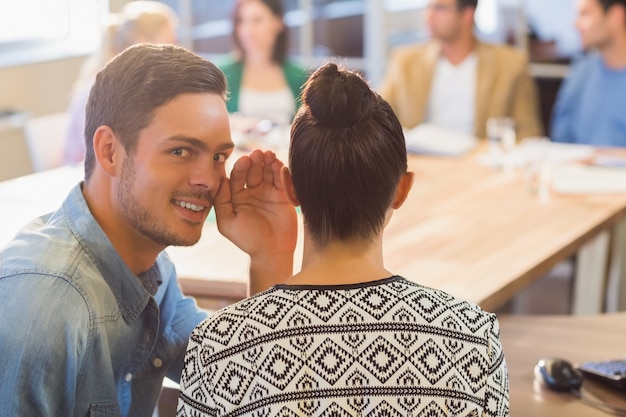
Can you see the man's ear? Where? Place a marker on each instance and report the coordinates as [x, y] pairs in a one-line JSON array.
[[616, 16], [108, 151], [468, 14], [402, 191], [285, 175]]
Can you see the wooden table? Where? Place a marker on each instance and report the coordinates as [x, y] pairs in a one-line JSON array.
[[578, 339], [465, 228]]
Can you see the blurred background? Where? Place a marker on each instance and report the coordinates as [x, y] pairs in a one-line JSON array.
[[44, 42]]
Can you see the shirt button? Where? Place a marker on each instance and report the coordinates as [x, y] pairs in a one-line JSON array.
[[157, 362], [129, 377]]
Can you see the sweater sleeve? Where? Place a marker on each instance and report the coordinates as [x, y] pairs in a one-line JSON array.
[[497, 393]]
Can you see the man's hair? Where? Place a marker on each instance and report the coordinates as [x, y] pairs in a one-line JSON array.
[[129, 89], [347, 155], [279, 54], [606, 4], [467, 3]]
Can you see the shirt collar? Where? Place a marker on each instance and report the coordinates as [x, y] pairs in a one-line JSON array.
[[132, 297]]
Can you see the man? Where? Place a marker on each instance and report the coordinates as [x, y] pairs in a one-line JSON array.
[[92, 316], [590, 105], [457, 82]]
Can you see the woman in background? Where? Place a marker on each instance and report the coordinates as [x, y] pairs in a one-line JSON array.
[[262, 82], [138, 22]]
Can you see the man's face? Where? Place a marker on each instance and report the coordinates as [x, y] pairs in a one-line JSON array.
[[443, 19], [168, 183], [592, 24]]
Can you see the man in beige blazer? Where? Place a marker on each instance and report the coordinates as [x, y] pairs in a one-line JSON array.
[[503, 86]]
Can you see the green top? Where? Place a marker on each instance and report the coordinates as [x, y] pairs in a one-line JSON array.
[[295, 75]]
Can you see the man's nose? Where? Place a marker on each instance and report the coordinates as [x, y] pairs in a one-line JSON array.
[[205, 174]]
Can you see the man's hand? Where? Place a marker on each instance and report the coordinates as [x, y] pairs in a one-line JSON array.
[[252, 211]]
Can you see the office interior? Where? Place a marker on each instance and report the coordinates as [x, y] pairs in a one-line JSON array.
[[38, 69], [36, 75]]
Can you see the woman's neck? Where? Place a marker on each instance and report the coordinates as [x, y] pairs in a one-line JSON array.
[[262, 74], [341, 263], [259, 59]]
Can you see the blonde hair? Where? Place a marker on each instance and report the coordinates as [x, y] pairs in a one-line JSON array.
[[138, 22]]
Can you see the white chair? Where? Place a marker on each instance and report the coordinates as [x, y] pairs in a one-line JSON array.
[[46, 136], [14, 152]]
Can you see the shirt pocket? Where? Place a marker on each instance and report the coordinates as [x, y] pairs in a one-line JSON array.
[[105, 409], [165, 352]]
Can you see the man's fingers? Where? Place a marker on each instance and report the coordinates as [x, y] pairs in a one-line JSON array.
[[255, 171], [239, 174], [269, 173], [276, 166], [259, 167], [222, 204]]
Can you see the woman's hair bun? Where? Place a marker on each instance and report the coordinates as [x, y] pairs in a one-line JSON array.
[[338, 98]]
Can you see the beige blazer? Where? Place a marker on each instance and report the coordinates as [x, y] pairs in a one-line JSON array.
[[504, 87]]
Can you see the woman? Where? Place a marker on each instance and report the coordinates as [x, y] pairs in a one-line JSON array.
[[263, 83], [139, 21], [345, 335]]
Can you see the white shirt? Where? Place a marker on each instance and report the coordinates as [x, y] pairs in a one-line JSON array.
[[451, 103], [278, 105]]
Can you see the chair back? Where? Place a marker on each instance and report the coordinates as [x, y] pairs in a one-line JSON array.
[[46, 137], [14, 151]]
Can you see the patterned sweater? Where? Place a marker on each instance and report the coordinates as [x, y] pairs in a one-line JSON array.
[[384, 348]]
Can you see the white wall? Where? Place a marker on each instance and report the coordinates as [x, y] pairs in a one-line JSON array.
[[40, 88]]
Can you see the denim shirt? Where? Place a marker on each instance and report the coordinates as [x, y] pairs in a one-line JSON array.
[[80, 335]]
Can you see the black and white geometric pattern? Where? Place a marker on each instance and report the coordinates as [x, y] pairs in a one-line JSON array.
[[379, 349]]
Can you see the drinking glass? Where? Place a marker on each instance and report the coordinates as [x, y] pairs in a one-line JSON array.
[[501, 134], [538, 166]]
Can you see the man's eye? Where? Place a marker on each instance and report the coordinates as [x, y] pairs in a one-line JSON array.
[[220, 157], [180, 152]]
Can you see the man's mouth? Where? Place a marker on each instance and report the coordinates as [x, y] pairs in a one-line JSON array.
[[189, 206]]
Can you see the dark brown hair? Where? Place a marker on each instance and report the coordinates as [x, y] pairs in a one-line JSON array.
[[462, 4], [136, 82], [347, 155], [607, 4]]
